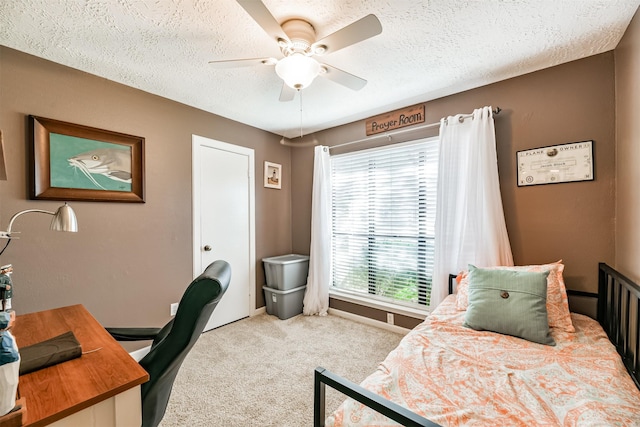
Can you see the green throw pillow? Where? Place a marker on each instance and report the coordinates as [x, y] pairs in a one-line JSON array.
[[509, 302]]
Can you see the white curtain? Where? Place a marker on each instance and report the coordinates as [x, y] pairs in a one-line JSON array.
[[316, 297], [470, 225]]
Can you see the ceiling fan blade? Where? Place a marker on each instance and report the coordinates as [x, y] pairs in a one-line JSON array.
[[358, 31], [233, 63], [264, 18], [287, 93], [343, 78]]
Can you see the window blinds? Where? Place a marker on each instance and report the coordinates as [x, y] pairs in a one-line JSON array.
[[383, 207]]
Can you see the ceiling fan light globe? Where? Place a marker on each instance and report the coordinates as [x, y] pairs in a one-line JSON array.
[[297, 70]]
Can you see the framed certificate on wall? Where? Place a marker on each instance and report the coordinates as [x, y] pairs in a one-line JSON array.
[[556, 164]]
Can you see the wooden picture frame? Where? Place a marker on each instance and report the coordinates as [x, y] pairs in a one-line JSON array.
[[3, 164], [75, 162], [272, 175]]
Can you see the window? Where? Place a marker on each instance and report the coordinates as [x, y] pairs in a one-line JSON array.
[[383, 207]]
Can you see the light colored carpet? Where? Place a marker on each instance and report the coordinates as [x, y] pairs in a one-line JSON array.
[[259, 371]]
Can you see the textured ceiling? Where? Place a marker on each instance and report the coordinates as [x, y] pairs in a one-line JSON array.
[[427, 49]]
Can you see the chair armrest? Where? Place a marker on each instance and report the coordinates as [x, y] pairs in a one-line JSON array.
[[133, 334]]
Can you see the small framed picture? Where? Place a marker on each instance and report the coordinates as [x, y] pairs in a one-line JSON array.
[[272, 175]]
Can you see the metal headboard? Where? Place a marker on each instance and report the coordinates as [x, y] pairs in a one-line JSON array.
[[619, 315], [452, 281]]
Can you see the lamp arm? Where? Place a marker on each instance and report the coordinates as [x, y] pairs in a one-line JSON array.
[[14, 217]]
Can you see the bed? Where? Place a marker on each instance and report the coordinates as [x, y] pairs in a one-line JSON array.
[[445, 372]]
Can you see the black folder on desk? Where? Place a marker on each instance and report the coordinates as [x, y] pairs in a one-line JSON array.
[[50, 352]]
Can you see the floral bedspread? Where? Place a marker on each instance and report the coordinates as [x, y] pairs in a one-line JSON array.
[[456, 376]]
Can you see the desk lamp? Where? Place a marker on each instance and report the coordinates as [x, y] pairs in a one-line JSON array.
[[64, 219]]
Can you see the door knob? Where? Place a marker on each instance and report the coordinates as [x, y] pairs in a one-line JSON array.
[[207, 248]]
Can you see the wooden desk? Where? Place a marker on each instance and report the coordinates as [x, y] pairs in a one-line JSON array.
[[97, 389]]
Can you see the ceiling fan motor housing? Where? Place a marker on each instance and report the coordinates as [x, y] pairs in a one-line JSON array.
[[302, 36]]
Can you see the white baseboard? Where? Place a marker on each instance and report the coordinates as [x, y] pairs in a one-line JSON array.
[[139, 354], [368, 321]]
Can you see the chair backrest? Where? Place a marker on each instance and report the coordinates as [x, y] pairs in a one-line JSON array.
[[176, 339]]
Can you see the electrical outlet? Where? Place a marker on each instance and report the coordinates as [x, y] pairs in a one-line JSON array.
[[390, 318], [174, 308]]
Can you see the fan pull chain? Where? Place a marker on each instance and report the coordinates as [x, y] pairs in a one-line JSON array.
[[300, 92]]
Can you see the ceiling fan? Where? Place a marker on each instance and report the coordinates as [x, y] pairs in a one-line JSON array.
[[296, 39]]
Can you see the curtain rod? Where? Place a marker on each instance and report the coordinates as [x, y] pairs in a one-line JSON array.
[[461, 118]]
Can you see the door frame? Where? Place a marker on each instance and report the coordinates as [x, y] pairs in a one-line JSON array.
[[197, 142]]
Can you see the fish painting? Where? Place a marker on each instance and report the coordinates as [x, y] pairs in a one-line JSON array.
[[112, 163]]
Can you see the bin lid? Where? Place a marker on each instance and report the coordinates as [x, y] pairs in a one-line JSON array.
[[286, 259], [279, 292]]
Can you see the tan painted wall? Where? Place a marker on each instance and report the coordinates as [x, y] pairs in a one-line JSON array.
[[570, 221], [129, 261], [627, 56]]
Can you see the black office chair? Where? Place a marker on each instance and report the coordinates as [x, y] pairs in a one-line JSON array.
[[172, 343]]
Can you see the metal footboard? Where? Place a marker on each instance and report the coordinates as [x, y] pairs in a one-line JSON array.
[[376, 402]]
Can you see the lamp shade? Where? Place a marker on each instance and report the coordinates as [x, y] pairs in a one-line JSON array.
[[297, 70], [64, 219]]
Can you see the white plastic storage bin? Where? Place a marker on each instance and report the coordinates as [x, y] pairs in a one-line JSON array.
[[284, 304], [286, 271]]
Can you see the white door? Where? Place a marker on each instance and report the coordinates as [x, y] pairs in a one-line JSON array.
[[224, 222]]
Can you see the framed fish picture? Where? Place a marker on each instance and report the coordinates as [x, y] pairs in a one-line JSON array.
[[75, 162]]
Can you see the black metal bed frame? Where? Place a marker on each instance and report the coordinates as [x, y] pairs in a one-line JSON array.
[[618, 313]]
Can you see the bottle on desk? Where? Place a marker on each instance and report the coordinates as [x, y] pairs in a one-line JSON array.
[[9, 364], [9, 355]]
